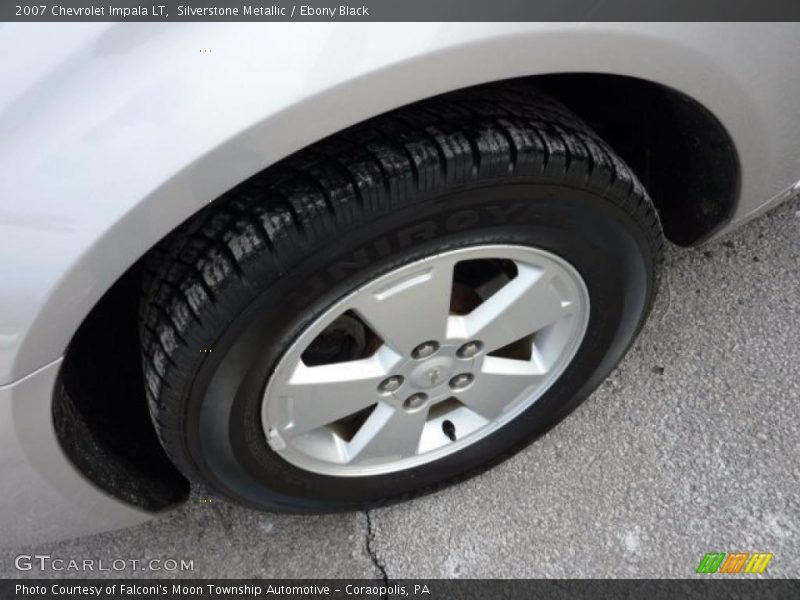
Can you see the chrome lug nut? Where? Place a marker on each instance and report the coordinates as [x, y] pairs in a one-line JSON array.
[[414, 401], [469, 349], [424, 350], [462, 380], [390, 384]]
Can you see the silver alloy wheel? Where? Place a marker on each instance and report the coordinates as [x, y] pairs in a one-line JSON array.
[[437, 382]]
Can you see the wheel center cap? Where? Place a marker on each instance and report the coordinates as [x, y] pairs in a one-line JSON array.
[[432, 373]]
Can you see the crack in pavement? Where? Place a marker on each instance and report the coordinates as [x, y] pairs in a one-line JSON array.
[[377, 562]]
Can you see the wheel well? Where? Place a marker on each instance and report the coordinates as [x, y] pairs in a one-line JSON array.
[[99, 409], [679, 150]]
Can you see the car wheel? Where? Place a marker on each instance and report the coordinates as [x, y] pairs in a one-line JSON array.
[[399, 306]]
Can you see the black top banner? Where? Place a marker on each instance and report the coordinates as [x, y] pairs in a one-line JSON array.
[[401, 10]]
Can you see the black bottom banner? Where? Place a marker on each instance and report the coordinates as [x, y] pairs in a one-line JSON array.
[[421, 589]]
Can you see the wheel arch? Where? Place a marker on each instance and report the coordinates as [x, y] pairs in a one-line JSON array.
[[111, 326], [78, 288]]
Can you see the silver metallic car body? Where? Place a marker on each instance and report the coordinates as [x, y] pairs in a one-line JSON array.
[[113, 134]]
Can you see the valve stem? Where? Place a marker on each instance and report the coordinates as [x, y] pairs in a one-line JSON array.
[[449, 430]]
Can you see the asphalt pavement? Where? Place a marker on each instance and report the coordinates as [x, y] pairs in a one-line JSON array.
[[691, 446]]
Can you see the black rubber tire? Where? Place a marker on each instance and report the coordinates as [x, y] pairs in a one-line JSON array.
[[228, 292]]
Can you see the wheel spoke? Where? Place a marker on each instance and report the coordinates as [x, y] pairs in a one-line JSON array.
[[388, 433], [523, 306], [320, 395], [412, 309], [500, 382]]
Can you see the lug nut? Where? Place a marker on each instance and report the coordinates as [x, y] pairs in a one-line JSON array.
[[461, 381], [424, 350], [390, 384], [415, 401], [469, 349]]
